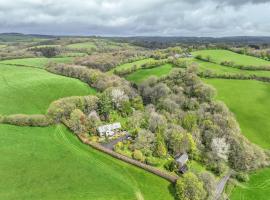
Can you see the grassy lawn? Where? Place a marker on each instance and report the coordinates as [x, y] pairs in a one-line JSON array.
[[129, 65], [30, 90], [143, 74], [257, 188], [82, 45], [219, 69], [36, 62], [249, 101], [51, 163], [224, 55]]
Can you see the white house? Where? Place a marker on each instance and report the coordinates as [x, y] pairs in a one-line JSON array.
[[108, 129]]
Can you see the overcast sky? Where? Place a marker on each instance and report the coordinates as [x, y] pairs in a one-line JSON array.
[[136, 17]]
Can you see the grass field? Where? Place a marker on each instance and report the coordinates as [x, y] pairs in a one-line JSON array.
[[223, 55], [219, 69], [31, 90], [2, 46], [142, 74], [249, 101], [257, 188], [82, 45], [36, 62], [50, 163], [129, 65]]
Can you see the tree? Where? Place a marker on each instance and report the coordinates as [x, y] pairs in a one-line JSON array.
[[78, 121], [209, 184], [118, 97], [161, 150], [189, 187], [221, 148], [137, 155], [145, 141], [104, 105]]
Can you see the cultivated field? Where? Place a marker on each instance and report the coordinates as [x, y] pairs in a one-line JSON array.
[[83, 45], [50, 163], [30, 90]]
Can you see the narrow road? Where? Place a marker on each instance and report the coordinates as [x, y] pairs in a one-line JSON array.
[[111, 144], [221, 185]]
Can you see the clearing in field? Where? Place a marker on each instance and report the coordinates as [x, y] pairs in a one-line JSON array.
[[142, 74], [36, 62], [258, 187], [219, 56], [249, 101], [51, 163], [28, 90]]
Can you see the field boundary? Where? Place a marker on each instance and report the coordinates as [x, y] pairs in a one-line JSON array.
[[128, 160]]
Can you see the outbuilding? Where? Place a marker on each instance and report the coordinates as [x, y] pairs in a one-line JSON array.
[[109, 130]]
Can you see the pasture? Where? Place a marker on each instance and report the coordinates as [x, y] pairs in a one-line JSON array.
[[219, 56], [36, 62], [219, 69], [125, 66], [142, 74], [28, 90], [51, 163], [249, 101], [258, 187]]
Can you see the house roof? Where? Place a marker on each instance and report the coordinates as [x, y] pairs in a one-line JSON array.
[[182, 159], [109, 127]]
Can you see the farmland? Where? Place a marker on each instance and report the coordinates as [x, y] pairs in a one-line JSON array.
[[142, 74], [30, 90], [83, 45], [219, 56], [257, 188], [249, 101], [35, 62], [50, 163]]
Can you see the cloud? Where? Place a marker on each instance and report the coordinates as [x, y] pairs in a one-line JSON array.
[[136, 17]]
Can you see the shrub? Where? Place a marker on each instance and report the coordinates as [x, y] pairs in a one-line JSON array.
[[189, 187], [170, 165], [242, 177], [137, 155], [152, 161], [26, 120]]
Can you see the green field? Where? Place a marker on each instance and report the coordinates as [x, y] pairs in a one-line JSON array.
[[257, 188], [50, 163], [223, 55], [142, 74], [30, 90], [82, 45], [249, 101], [131, 64], [2, 46], [36, 62], [219, 69]]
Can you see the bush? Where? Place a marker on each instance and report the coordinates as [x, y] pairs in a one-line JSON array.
[[26, 120], [152, 161], [170, 165], [137, 155], [189, 187], [242, 177]]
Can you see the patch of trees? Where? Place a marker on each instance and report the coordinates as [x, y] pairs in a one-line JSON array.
[[47, 52], [107, 61], [92, 77]]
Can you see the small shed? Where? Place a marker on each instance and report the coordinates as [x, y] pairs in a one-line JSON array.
[[109, 129], [181, 161]]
